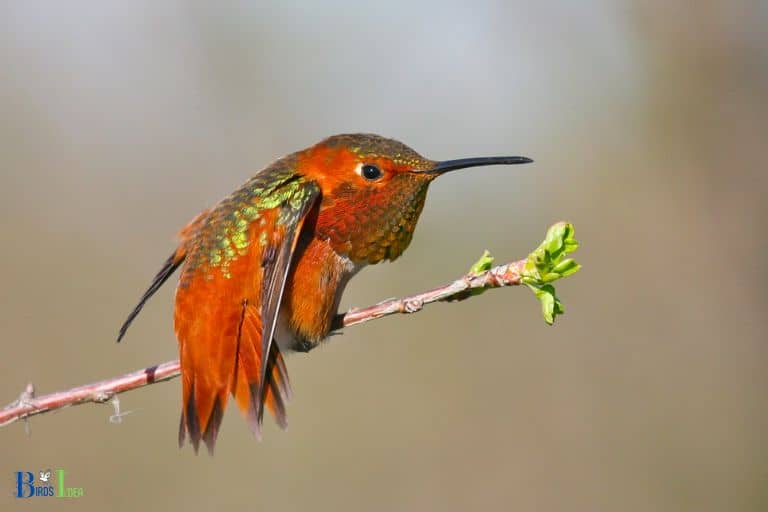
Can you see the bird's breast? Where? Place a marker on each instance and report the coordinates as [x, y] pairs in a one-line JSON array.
[[312, 295]]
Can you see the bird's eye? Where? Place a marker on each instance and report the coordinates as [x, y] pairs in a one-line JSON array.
[[370, 172]]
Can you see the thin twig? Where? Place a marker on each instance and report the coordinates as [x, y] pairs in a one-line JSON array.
[[107, 390]]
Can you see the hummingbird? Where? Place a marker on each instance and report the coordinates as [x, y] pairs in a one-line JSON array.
[[263, 271]]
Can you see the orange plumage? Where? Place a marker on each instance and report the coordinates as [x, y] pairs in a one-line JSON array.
[[270, 262]]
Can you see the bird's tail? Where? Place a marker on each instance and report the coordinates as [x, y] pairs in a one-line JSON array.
[[236, 372]]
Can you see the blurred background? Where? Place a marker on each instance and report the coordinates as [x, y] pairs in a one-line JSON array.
[[119, 121]]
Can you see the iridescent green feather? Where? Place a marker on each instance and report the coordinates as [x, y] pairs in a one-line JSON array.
[[225, 233]]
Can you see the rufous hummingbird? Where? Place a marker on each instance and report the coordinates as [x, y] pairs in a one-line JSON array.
[[270, 263]]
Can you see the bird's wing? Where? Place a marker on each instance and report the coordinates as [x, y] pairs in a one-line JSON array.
[[228, 299], [169, 267]]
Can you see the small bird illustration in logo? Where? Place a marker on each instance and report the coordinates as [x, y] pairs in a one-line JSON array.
[[45, 475]]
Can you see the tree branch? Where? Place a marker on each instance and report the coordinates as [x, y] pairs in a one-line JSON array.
[[542, 266]]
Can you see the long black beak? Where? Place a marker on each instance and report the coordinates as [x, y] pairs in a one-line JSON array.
[[463, 163]]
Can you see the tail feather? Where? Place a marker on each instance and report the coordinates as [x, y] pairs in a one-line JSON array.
[[246, 380], [281, 374], [199, 427], [205, 396], [205, 400], [276, 403], [190, 423], [278, 387], [245, 387], [214, 423]]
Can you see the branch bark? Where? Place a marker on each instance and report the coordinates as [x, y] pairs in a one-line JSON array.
[[107, 390]]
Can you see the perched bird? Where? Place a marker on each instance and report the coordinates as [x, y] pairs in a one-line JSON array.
[[264, 269]]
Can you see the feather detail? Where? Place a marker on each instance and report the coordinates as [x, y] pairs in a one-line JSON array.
[[169, 267], [227, 304]]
